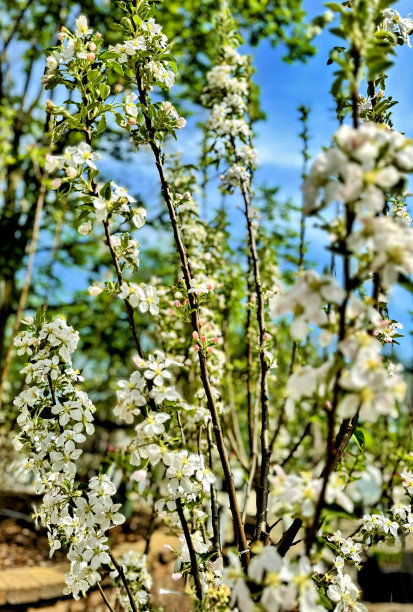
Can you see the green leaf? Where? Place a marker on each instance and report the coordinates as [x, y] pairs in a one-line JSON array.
[[106, 191], [104, 91], [108, 55], [92, 75], [116, 68], [83, 215], [324, 600], [59, 131], [126, 24], [101, 126], [335, 6], [359, 438]]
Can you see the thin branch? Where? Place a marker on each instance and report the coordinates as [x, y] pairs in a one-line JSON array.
[[119, 568], [239, 446], [252, 431], [181, 429], [150, 531], [254, 458], [289, 537], [105, 599], [238, 525], [263, 490], [52, 391], [295, 447], [191, 549], [216, 540]]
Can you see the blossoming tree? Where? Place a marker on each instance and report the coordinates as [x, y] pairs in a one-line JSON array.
[[256, 395]]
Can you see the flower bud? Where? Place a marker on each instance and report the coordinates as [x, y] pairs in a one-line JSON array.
[[91, 57], [210, 349], [94, 290], [49, 105], [187, 195], [139, 475], [56, 183], [196, 347], [216, 339], [71, 172], [51, 63], [177, 303], [98, 35], [92, 46], [118, 87], [180, 123], [132, 121], [203, 338], [195, 334]]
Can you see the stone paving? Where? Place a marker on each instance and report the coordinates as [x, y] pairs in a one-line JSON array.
[[30, 589]]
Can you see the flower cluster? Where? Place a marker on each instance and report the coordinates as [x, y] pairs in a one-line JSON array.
[[76, 50], [154, 384], [387, 331], [344, 593], [104, 200], [403, 27], [140, 296], [298, 494], [226, 93], [305, 300], [286, 585], [347, 548], [362, 167], [148, 42], [398, 521], [371, 388], [54, 416]]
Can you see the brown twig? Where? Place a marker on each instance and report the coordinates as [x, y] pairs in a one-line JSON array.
[[262, 494], [105, 599], [191, 549], [298, 443], [122, 576], [181, 429], [216, 540]]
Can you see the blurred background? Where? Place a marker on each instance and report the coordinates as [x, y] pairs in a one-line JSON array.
[[44, 261]]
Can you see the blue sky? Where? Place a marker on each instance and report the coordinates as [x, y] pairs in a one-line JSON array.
[[283, 88]]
